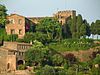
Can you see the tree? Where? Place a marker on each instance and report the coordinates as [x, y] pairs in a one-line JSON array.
[[83, 30], [36, 54], [2, 15], [79, 23], [29, 36], [73, 27], [88, 31], [95, 28], [51, 27]]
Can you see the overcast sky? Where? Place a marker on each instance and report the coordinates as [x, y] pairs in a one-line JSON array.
[[89, 9]]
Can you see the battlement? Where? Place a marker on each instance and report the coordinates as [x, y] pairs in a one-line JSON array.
[[66, 11], [64, 15]]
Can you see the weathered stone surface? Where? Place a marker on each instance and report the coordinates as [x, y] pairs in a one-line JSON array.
[[19, 25], [14, 26]]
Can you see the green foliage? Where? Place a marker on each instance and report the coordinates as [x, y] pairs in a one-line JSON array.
[[83, 30], [95, 28], [51, 27], [79, 23], [97, 59], [12, 37], [37, 54], [5, 37], [73, 27], [21, 67], [47, 70], [57, 60], [72, 44], [42, 37], [71, 71], [76, 27], [2, 33], [2, 15], [29, 36]]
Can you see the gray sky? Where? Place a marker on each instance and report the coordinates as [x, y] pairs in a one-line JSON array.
[[89, 9]]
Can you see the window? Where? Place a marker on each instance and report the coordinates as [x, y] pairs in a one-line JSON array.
[[19, 21], [12, 31], [61, 17], [8, 65], [11, 21], [20, 31]]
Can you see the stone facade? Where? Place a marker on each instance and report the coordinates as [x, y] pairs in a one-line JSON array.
[[12, 55], [17, 24], [20, 25], [7, 62], [64, 15]]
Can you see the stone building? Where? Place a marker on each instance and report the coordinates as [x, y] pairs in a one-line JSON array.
[[11, 56], [63, 16], [18, 25], [18, 49], [7, 62]]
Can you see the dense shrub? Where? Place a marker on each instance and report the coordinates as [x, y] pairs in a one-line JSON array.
[[72, 44], [49, 70], [21, 67]]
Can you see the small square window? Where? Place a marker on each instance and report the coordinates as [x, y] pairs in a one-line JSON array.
[[11, 21], [20, 21], [12, 31], [20, 31]]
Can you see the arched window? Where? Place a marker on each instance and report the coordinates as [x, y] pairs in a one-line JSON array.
[[8, 65]]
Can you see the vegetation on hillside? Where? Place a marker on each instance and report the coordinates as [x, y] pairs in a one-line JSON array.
[[45, 60], [50, 38], [3, 14]]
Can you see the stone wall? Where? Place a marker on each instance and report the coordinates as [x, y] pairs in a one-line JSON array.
[[16, 24], [3, 68], [64, 15], [10, 45], [11, 61]]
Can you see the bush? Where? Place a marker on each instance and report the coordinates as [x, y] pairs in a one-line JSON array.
[[21, 67], [72, 44], [47, 70], [12, 37], [2, 33]]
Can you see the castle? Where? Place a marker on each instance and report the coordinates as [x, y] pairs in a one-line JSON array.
[[19, 25], [12, 53]]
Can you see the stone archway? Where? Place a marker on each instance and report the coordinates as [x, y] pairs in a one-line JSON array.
[[20, 62]]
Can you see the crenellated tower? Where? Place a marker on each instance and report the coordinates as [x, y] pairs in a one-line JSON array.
[[63, 16]]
